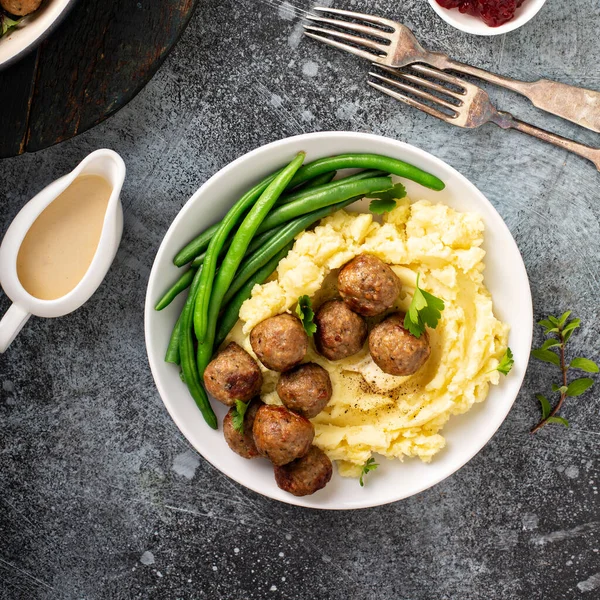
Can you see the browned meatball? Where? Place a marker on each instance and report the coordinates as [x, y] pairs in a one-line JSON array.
[[396, 350], [20, 8], [305, 475], [340, 332], [242, 442], [279, 342], [306, 389], [281, 435], [368, 285], [233, 375]]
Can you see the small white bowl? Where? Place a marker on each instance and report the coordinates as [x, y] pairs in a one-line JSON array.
[[505, 277], [33, 29], [476, 26]]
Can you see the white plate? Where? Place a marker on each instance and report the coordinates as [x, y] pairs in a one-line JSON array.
[[505, 276], [32, 30], [474, 25]]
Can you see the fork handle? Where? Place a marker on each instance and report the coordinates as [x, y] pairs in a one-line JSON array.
[[579, 105], [507, 121]]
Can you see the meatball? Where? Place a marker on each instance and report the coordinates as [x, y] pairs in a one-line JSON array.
[[281, 435], [306, 389], [368, 285], [305, 475], [233, 375], [340, 332], [395, 349], [279, 342], [242, 442], [20, 8]]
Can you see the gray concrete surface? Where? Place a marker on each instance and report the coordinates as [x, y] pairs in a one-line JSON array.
[[100, 495]]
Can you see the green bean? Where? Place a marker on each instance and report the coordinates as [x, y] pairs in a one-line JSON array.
[[243, 237], [256, 243], [201, 242], [197, 245], [367, 161], [325, 195], [287, 234], [214, 249], [230, 315], [172, 355], [186, 354], [317, 168], [315, 181], [181, 284]]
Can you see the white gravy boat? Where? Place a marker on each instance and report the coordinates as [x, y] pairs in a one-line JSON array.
[[110, 166]]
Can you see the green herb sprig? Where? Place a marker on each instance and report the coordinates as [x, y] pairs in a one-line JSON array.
[[559, 330], [425, 309], [7, 24], [386, 201], [369, 466], [506, 362], [306, 315], [237, 415]]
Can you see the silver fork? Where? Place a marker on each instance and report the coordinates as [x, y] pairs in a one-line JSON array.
[[470, 107], [396, 46]]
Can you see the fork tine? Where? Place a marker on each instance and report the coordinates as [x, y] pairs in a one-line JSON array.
[[350, 38], [439, 75], [360, 16], [411, 102], [422, 82], [352, 26], [340, 46], [415, 91]]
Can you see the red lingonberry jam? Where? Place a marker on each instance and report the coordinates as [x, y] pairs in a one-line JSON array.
[[492, 12]]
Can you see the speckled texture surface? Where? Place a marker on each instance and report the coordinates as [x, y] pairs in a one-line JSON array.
[[100, 495]]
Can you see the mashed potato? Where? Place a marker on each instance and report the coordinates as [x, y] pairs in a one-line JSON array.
[[371, 411]]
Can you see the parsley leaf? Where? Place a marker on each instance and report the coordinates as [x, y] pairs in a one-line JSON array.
[[370, 465], [382, 206], [394, 193], [506, 362], [305, 312], [6, 24], [425, 309], [237, 415], [386, 201]]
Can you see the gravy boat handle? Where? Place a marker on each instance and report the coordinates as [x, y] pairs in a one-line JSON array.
[[11, 324]]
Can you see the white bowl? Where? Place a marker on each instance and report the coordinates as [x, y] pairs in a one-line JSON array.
[[33, 29], [476, 26], [505, 276]]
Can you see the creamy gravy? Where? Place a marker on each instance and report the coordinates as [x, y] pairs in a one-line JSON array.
[[60, 245]]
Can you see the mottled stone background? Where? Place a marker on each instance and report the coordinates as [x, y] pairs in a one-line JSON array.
[[102, 497]]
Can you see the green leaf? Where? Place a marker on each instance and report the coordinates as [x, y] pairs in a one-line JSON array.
[[425, 310], [563, 318], [545, 323], [559, 388], [589, 366], [370, 465], [306, 314], [395, 193], [506, 362], [572, 325], [545, 405], [237, 415], [553, 320], [382, 206], [561, 420], [551, 343], [567, 335], [6, 24], [579, 386], [546, 356]]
